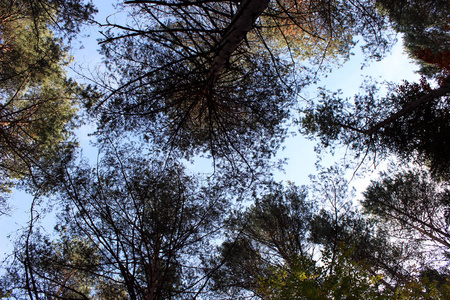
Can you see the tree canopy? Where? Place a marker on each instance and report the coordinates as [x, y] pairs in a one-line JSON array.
[[222, 80], [38, 102], [414, 204], [412, 120], [424, 24], [143, 227], [222, 76]]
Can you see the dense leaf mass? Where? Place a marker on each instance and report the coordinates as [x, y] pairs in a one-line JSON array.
[[425, 26], [38, 102]]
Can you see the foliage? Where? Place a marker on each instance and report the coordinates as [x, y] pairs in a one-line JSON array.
[[272, 229], [430, 284], [147, 223], [425, 26], [322, 31], [64, 17], [215, 74], [333, 277], [220, 78], [339, 277], [150, 222], [415, 206], [271, 250], [43, 269], [38, 103], [280, 220], [411, 122]]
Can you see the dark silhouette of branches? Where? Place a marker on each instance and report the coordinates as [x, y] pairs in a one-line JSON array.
[[221, 76]]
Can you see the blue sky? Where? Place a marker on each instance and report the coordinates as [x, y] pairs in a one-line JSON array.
[[395, 67]]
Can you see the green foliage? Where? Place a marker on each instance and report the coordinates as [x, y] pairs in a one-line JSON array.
[[65, 17], [425, 26], [38, 103], [221, 78], [109, 289], [429, 285], [273, 229], [63, 268], [412, 121], [237, 268], [151, 223], [280, 220], [335, 276], [131, 228], [270, 252]]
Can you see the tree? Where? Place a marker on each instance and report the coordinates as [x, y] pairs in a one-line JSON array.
[[412, 120], [215, 74], [63, 268], [340, 228], [414, 205], [63, 17], [424, 24], [38, 103], [150, 223], [286, 243], [278, 239], [272, 230], [331, 277], [347, 280], [394, 262], [135, 228], [269, 232]]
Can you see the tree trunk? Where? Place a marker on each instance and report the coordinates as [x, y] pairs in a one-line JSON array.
[[434, 94], [242, 23]]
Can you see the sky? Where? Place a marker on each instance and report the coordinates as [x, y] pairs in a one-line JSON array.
[[394, 67]]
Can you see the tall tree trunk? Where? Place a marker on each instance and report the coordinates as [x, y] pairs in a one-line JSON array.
[[242, 23]]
